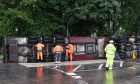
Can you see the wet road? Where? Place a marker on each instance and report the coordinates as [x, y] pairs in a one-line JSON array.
[[69, 73]]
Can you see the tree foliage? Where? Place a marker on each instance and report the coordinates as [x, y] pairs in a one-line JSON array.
[[54, 17], [130, 17]]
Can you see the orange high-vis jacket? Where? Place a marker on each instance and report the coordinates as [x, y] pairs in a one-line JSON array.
[[39, 46], [58, 48], [70, 48]]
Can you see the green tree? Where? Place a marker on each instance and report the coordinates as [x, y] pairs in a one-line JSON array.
[[130, 17], [54, 17]]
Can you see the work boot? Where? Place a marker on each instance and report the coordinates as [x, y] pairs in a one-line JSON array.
[[55, 62], [106, 68], [59, 62]]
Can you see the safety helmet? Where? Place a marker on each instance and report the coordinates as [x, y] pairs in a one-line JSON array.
[[111, 41]]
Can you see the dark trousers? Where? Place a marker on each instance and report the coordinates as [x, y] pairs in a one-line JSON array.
[[57, 56]]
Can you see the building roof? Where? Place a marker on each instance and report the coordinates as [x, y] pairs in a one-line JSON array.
[[82, 40]]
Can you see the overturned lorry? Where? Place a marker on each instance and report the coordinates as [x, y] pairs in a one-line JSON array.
[[126, 46], [22, 49]]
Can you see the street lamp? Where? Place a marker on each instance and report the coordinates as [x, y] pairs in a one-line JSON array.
[[16, 31], [67, 29]]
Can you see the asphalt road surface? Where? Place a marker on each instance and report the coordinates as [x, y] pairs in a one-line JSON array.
[[76, 72]]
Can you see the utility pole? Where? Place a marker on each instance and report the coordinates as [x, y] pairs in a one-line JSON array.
[[67, 25], [67, 30]]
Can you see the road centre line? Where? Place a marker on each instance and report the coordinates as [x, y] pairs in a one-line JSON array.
[[77, 68]]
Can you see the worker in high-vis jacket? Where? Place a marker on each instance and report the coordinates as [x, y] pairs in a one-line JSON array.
[[110, 54], [69, 51], [58, 49], [39, 47]]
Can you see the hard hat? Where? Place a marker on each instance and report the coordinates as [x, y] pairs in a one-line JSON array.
[[111, 41]]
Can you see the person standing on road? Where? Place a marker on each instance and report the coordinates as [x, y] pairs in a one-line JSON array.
[[39, 47], [110, 54], [69, 51], [58, 49]]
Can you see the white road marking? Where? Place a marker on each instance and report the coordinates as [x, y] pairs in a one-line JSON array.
[[77, 67], [131, 68], [101, 65], [86, 70], [76, 77], [73, 75], [44, 64], [34, 64], [121, 64], [55, 67]]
